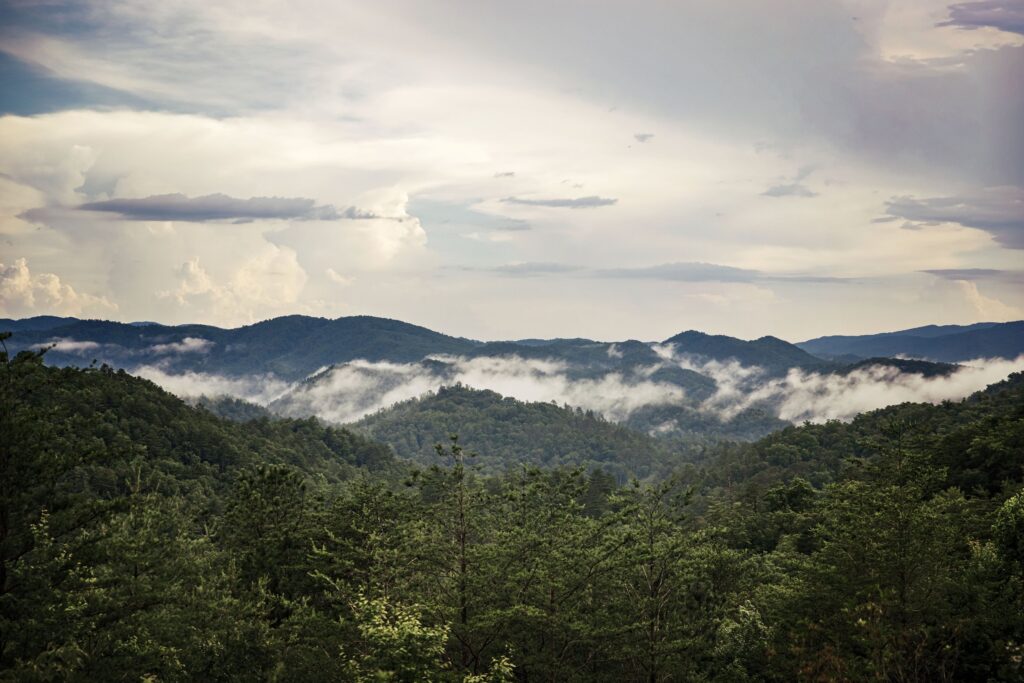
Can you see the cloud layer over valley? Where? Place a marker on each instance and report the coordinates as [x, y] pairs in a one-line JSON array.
[[347, 392]]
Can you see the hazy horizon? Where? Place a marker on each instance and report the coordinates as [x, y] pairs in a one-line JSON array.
[[455, 333]]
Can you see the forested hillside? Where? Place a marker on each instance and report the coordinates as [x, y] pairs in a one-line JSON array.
[[507, 433], [144, 539], [289, 347], [949, 343]]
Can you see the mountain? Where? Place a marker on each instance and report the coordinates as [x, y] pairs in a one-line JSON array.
[[230, 408], [946, 343], [693, 387], [289, 347], [38, 323], [906, 366], [507, 433], [976, 441], [144, 539], [99, 413], [293, 347], [771, 353]]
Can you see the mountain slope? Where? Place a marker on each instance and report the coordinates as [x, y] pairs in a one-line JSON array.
[[771, 353], [979, 441], [506, 433], [289, 347], [949, 343], [114, 415], [39, 322]]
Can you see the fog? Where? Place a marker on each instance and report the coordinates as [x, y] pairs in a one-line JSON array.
[[816, 397], [261, 389], [346, 393]]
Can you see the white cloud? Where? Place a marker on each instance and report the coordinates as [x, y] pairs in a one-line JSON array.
[[350, 391], [186, 345], [270, 282], [258, 389], [70, 346], [25, 294], [378, 106], [817, 397], [988, 308]]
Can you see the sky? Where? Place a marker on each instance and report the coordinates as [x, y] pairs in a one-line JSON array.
[[498, 170]]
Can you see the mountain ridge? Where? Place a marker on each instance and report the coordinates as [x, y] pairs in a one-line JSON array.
[[942, 343]]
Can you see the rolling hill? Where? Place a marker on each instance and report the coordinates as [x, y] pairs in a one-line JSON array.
[[506, 433], [945, 343]]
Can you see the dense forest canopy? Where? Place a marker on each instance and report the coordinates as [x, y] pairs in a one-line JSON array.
[[145, 539]]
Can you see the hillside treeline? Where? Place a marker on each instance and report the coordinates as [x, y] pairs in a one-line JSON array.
[[142, 539]]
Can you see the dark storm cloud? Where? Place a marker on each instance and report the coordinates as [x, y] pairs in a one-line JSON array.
[[567, 203], [1005, 15], [998, 211], [214, 207]]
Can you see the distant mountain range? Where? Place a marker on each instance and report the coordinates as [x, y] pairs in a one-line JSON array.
[[293, 347], [289, 347], [946, 343], [692, 386]]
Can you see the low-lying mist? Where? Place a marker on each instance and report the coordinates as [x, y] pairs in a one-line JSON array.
[[347, 392], [816, 397]]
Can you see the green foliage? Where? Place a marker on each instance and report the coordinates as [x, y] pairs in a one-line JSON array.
[[394, 644], [143, 539], [509, 433]]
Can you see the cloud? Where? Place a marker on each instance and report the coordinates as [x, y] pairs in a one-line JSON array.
[[973, 274], [695, 271], [216, 207], [513, 225], [789, 190], [670, 272], [997, 210], [186, 345], [66, 345], [443, 215], [817, 397], [270, 281], [260, 389], [231, 114], [642, 137], [590, 202], [684, 272], [986, 307], [348, 392], [22, 293], [1005, 15], [337, 278], [528, 269], [356, 214]]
